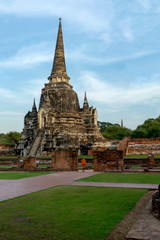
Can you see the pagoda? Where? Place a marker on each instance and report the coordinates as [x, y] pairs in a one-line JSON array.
[[61, 123]]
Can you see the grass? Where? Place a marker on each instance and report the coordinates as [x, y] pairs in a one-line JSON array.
[[19, 175], [5, 165], [66, 213], [124, 178], [85, 156], [135, 166], [44, 166], [8, 157], [44, 157], [4, 140]]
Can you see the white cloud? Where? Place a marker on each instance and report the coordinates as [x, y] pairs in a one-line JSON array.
[[146, 4], [80, 54], [5, 93], [131, 56], [125, 26], [85, 15], [10, 113], [28, 57], [33, 87], [103, 92]]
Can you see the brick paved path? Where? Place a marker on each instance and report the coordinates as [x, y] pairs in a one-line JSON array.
[[123, 185], [14, 188]]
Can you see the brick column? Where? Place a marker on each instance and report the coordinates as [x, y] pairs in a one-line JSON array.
[[65, 160], [108, 160]]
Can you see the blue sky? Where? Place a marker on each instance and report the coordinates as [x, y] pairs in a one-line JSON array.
[[112, 50]]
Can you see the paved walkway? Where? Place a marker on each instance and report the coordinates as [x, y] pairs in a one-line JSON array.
[[123, 185], [14, 188]]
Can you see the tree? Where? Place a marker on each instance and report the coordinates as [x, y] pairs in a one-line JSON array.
[[104, 125], [13, 136], [113, 131]]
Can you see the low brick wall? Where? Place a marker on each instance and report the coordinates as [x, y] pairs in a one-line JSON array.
[[140, 146], [145, 140], [108, 160], [65, 160], [7, 152], [143, 149], [6, 147], [141, 162]]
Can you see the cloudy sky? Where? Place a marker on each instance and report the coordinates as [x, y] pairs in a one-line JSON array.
[[112, 50]]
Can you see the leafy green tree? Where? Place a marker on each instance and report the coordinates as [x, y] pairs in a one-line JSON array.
[[113, 131], [149, 129], [13, 136], [104, 125]]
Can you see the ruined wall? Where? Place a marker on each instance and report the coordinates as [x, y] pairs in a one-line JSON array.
[[142, 149], [145, 140], [29, 163], [107, 160], [142, 146], [144, 162], [65, 159], [123, 145], [6, 146], [7, 150]]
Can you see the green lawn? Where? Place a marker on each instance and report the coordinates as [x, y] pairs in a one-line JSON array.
[[44, 166], [66, 213], [85, 156], [5, 165], [123, 178], [3, 157], [18, 175]]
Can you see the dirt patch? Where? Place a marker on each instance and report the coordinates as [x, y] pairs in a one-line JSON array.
[[122, 228]]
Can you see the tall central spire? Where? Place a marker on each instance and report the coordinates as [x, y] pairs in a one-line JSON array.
[[59, 73]]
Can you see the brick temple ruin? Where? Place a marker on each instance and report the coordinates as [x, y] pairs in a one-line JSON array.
[[59, 124], [60, 127]]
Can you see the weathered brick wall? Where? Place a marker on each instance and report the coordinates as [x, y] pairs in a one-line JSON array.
[[107, 160], [90, 152], [145, 140], [28, 163], [142, 149], [144, 162], [141, 146], [123, 145], [65, 159], [7, 152], [6, 146]]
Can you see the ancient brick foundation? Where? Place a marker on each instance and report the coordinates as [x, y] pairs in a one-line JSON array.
[[108, 160], [143, 146], [7, 150], [145, 140], [144, 162], [28, 163], [65, 160]]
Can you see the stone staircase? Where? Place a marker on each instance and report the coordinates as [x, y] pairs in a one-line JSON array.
[[37, 141]]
